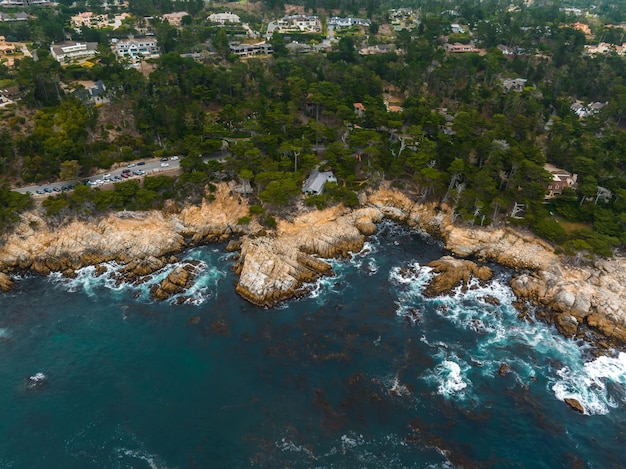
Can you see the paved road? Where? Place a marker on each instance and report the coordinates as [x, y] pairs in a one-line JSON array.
[[147, 166]]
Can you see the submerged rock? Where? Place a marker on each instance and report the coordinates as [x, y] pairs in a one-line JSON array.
[[36, 381]]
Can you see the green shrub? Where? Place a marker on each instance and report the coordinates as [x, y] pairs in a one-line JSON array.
[[255, 209], [243, 221], [270, 222]]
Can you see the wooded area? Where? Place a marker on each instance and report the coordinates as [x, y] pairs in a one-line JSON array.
[[440, 125]]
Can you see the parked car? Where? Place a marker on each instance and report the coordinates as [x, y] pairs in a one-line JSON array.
[[174, 158], [39, 191], [141, 163], [164, 165], [164, 159], [106, 176], [124, 171], [47, 190], [130, 165]]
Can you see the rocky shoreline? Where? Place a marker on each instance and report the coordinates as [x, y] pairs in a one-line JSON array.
[[273, 266]]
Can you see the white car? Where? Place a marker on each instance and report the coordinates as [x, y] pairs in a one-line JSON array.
[[164, 165], [173, 158]]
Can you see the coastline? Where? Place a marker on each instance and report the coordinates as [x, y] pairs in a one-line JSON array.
[[274, 266]]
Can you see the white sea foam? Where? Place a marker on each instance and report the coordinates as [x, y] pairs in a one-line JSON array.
[[287, 445], [205, 284], [150, 459], [588, 384], [450, 377], [5, 333]]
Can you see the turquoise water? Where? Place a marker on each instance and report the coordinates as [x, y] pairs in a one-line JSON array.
[[362, 372]]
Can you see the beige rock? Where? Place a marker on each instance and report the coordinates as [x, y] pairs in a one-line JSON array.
[[6, 283], [452, 272]]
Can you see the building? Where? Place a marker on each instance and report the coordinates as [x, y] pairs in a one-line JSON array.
[[224, 18], [605, 48], [457, 28], [70, 50], [92, 92], [89, 19], [17, 16], [377, 49], [135, 48], [247, 50], [359, 109], [513, 84], [6, 47], [560, 180], [299, 23], [175, 19], [586, 110], [458, 48], [339, 22], [26, 3], [314, 185]]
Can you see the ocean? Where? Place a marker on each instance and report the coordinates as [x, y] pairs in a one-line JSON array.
[[360, 372]]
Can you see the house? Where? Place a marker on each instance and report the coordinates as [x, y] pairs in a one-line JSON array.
[[299, 23], [9, 95], [359, 109], [298, 48], [605, 48], [457, 28], [458, 48], [135, 48], [248, 50], [92, 92], [71, 50], [513, 84], [89, 19], [224, 18], [26, 3], [560, 180], [18, 16], [175, 19], [6, 47], [586, 110], [348, 22], [377, 49], [314, 185]]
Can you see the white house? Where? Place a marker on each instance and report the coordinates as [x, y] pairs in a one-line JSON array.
[[70, 50], [224, 18], [314, 185], [339, 22], [135, 48]]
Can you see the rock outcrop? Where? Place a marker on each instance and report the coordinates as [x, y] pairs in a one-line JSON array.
[[452, 272], [141, 241], [595, 296], [274, 266], [177, 281], [6, 283]]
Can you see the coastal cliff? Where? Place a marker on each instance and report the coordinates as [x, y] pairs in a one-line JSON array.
[[274, 266], [138, 240]]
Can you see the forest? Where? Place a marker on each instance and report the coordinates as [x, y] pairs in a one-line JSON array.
[[440, 126]]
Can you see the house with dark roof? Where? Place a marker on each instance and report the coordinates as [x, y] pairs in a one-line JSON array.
[[560, 180], [314, 185]]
